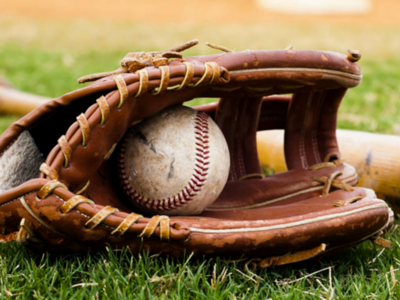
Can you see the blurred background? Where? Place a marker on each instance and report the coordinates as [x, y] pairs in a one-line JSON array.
[[46, 45]]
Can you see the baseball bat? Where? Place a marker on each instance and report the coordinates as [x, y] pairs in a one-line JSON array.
[[16, 102], [376, 158]]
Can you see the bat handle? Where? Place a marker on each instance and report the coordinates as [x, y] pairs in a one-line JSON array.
[[18, 103]]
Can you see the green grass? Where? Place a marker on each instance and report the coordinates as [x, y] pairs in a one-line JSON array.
[[374, 105], [27, 60], [360, 273]]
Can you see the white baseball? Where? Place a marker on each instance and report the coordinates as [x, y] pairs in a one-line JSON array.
[[174, 163]]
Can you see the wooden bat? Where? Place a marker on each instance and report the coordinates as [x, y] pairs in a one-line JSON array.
[[16, 102], [376, 158]]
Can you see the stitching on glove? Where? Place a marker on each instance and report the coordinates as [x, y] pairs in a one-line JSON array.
[[335, 183], [234, 147], [216, 71], [126, 224], [128, 221], [158, 62], [84, 188], [85, 129], [163, 82], [208, 73], [322, 166], [152, 225], [100, 217], [328, 183], [74, 202], [187, 79], [143, 82], [66, 150], [49, 171], [239, 147], [29, 210], [318, 219], [347, 202], [21, 236], [123, 89], [252, 176], [136, 122], [110, 152], [156, 221], [49, 187], [308, 70], [104, 109], [304, 129], [314, 140], [195, 184]]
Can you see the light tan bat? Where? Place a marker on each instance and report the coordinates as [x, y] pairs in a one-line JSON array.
[[376, 158], [16, 102]]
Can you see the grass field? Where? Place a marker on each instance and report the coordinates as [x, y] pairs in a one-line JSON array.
[[46, 56]]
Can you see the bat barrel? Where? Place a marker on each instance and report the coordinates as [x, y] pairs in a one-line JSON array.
[[376, 158]]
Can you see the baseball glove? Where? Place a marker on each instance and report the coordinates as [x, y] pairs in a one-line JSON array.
[[74, 202]]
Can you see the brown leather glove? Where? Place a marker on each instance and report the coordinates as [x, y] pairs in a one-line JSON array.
[[75, 203]]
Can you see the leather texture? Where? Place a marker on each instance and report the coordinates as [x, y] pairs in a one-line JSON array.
[[311, 210]]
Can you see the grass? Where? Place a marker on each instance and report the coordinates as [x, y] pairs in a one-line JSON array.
[[37, 59], [360, 273]]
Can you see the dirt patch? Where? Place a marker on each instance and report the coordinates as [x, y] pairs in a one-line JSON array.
[[384, 13]]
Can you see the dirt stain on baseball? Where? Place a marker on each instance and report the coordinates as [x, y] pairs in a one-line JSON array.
[[143, 139], [171, 169]]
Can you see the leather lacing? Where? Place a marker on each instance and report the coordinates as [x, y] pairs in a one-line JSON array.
[[123, 90], [104, 109], [252, 176], [66, 150], [97, 219], [135, 61], [332, 181], [85, 129], [285, 259], [21, 236]]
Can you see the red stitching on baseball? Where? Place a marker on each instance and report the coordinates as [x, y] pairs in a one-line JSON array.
[[194, 185]]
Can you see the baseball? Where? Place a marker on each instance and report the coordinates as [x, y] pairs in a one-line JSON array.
[[174, 163]]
